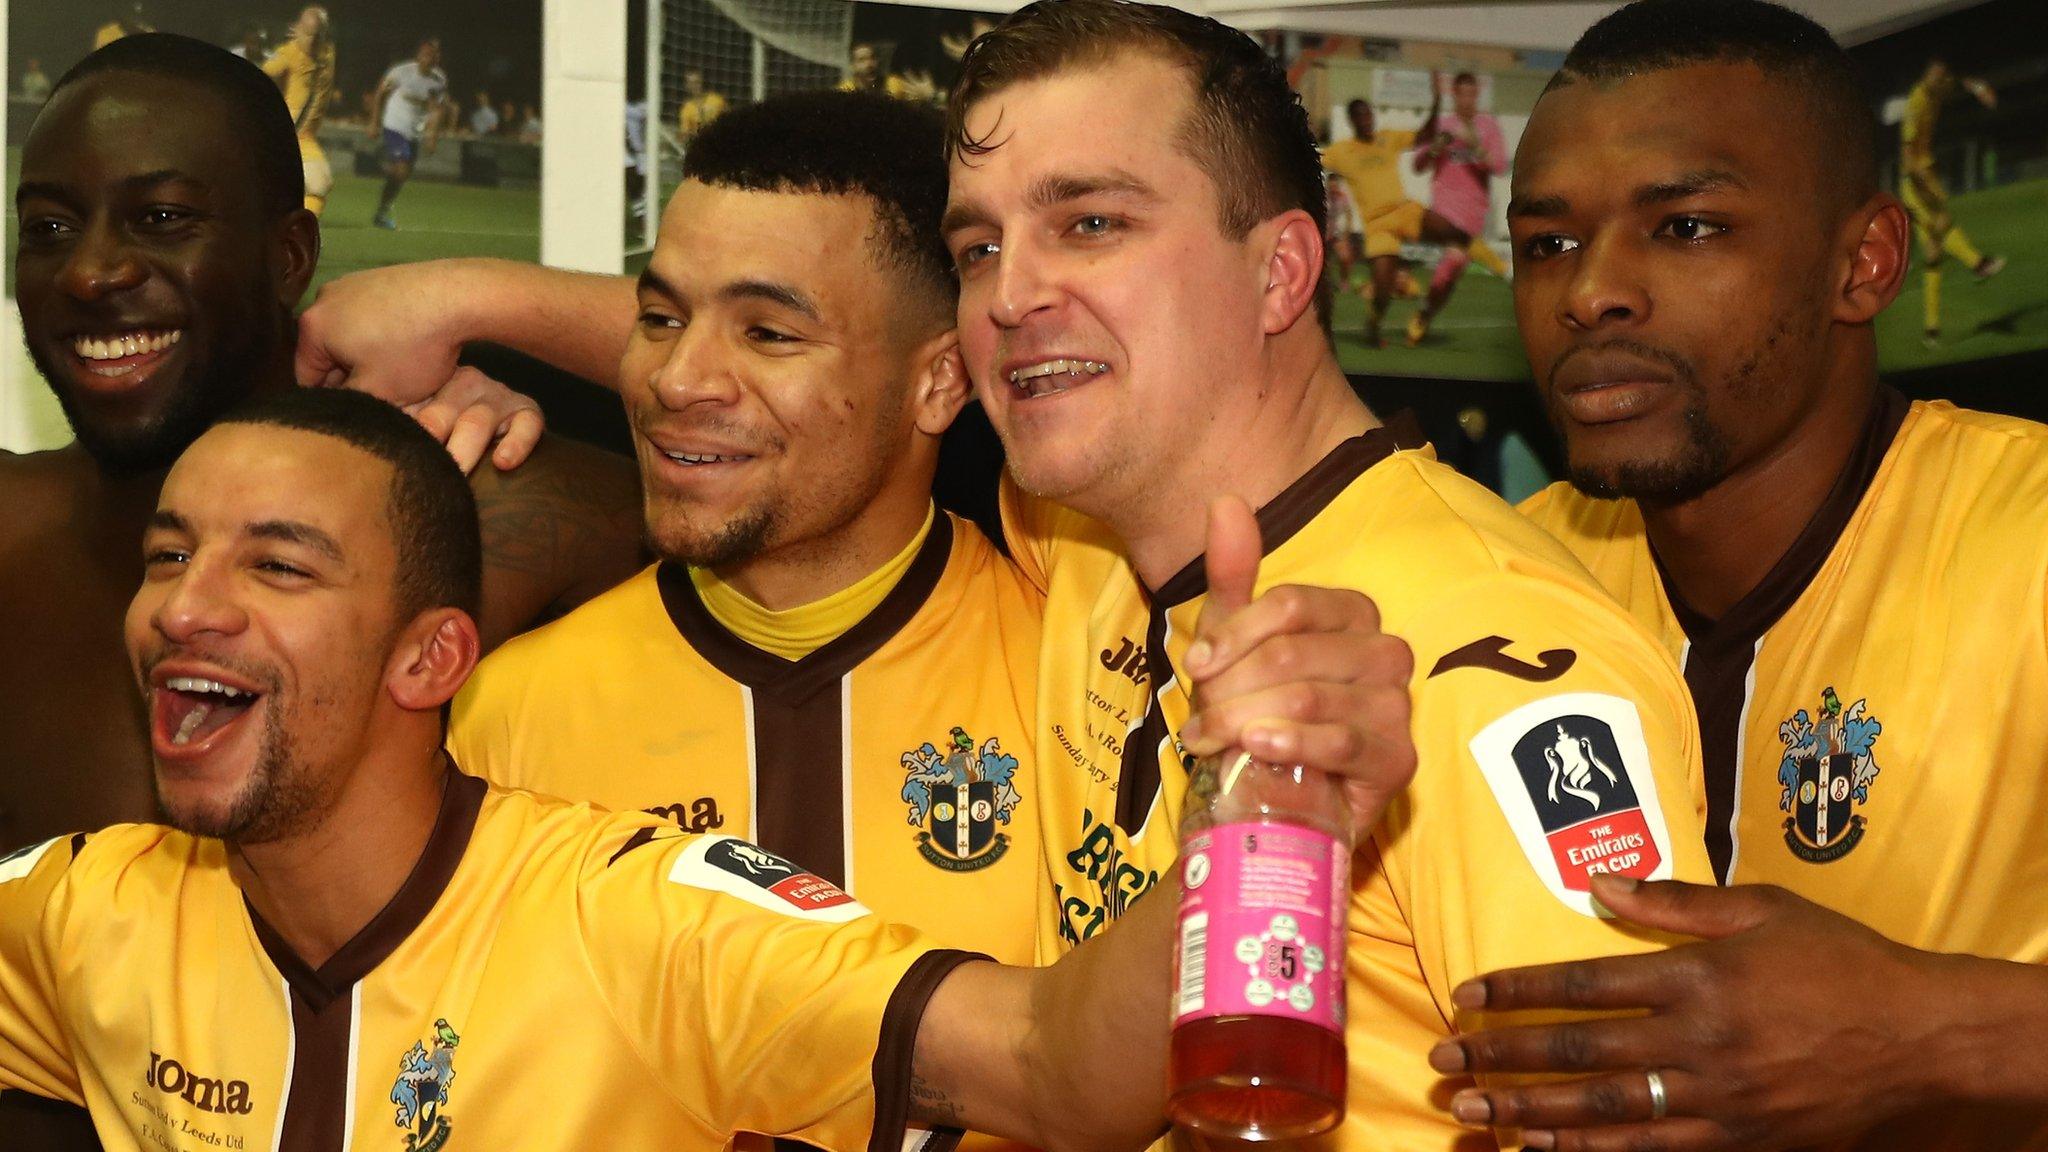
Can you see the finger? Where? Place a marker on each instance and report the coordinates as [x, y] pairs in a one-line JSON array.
[[471, 437], [1363, 660], [1613, 1098], [1702, 910], [1649, 980], [1221, 725], [1678, 1134], [521, 436], [1230, 559], [1604, 1045], [1281, 610], [437, 416], [312, 364]]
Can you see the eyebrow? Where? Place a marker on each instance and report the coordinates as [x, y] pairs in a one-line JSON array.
[[651, 281], [49, 191], [169, 521], [1051, 191], [1696, 183], [774, 293], [294, 532]]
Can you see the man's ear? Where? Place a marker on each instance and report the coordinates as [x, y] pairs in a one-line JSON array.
[[942, 388], [298, 255], [433, 659], [1876, 240], [1294, 269]]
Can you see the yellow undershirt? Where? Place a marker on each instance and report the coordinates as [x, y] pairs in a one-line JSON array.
[[795, 633]]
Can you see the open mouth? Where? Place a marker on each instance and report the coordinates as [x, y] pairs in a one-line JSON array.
[[1052, 377], [190, 710], [120, 354]]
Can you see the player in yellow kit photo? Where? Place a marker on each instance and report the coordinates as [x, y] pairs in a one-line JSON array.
[[304, 69], [1925, 197]]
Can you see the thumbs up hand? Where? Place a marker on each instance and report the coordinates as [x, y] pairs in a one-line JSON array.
[[1297, 675]]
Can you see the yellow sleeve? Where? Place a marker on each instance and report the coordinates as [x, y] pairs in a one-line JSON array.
[[764, 997], [1556, 740], [1028, 529], [280, 63], [35, 1056], [1398, 139]]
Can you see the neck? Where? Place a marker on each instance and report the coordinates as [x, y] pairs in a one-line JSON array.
[[1716, 548], [1304, 410], [320, 886], [806, 571]]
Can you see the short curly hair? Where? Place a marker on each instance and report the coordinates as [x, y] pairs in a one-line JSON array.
[[1656, 35], [844, 143]]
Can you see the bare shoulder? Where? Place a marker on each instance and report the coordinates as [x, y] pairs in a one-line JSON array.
[[39, 488], [560, 528]]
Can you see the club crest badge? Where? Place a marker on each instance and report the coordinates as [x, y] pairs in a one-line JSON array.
[[1572, 775], [421, 1092], [1825, 773], [957, 797]]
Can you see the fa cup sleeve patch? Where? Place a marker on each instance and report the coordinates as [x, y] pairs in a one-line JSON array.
[[736, 868], [1572, 775]]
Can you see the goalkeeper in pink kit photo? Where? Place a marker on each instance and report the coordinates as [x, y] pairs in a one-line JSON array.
[[1463, 151]]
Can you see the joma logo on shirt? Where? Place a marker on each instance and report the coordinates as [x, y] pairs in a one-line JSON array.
[[701, 816], [173, 1079], [1128, 658]]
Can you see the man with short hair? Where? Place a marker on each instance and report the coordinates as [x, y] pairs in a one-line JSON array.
[[858, 663], [163, 244], [699, 108], [340, 934], [406, 108], [1855, 586], [1140, 261]]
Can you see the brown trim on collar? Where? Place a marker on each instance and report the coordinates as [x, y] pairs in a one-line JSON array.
[[1721, 652], [898, 1043], [800, 779], [316, 1105], [462, 797], [769, 673], [1296, 506]]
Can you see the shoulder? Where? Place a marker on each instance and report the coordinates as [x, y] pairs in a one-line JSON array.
[[629, 611], [1977, 466], [39, 489]]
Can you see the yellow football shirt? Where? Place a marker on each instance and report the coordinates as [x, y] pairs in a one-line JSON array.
[[1872, 715], [550, 976], [1372, 168], [894, 760], [1916, 130], [1484, 862], [308, 83]]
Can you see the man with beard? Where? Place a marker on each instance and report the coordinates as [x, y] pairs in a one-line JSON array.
[[163, 244], [337, 922], [1855, 585], [1140, 258], [857, 663]]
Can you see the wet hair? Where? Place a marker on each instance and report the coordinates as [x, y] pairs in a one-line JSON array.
[[1248, 131], [258, 114], [1655, 35], [430, 507], [845, 144]]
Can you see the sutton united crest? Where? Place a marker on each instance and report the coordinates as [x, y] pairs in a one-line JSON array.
[[422, 1090], [1826, 771], [958, 796]]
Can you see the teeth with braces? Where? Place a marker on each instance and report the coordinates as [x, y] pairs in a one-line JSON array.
[[1072, 368]]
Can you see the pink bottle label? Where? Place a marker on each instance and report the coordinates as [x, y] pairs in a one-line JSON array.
[[1262, 924]]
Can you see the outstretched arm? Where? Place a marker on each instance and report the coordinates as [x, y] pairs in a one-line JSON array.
[[1071, 1057], [396, 332]]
